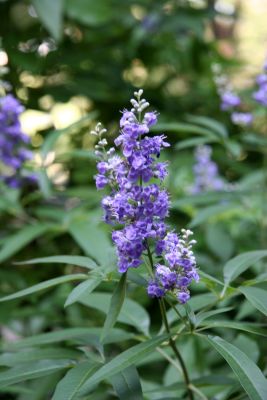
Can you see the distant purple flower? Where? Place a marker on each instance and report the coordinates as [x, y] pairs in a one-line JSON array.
[[260, 96], [139, 207], [13, 143], [206, 172], [242, 119], [229, 101]]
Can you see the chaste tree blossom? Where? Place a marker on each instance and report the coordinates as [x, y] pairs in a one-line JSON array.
[[261, 94], [14, 143], [230, 101], [137, 204], [206, 172]]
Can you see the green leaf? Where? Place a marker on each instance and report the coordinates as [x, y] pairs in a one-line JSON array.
[[13, 359], [67, 334], [115, 306], [83, 288], [33, 370], [211, 124], [132, 313], [234, 267], [92, 240], [205, 315], [127, 384], [212, 211], [183, 128], [257, 329], [44, 285], [51, 14], [79, 261], [123, 361], [248, 346], [192, 142], [90, 12], [52, 137], [257, 297], [219, 241], [19, 240], [246, 371], [69, 386]]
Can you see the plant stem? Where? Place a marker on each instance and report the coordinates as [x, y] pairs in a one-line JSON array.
[[175, 349], [171, 341]]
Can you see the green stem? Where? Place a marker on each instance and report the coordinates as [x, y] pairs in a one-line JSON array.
[[171, 341], [264, 200], [175, 350]]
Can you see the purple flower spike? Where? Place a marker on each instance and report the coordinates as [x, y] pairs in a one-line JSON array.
[[206, 172], [139, 206], [13, 142]]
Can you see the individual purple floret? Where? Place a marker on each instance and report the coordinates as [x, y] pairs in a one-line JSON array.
[[13, 142], [229, 100], [206, 172], [138, 205]]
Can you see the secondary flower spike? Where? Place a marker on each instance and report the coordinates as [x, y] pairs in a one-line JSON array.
[[13, 143], [138, 204], [206, 172]]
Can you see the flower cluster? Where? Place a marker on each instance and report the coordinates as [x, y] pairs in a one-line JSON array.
[[180, 269], [206, 172], [230, 101], [261, 94], [137, 204], [13, 142]]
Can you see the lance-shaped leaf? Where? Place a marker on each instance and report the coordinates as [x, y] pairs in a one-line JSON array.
[[246, 371], [123, 361], [17, 241], [115, 306], [79, 261], [234, 267], [69, 386], [127, 384], [33, 370], [44, 285], [257, 297]]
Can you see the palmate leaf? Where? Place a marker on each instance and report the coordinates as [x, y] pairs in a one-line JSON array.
[[257, 297], [246, 371], [127, 384], [123, 361], [115, 306], [69, 386], [32, 370], [44, 285]]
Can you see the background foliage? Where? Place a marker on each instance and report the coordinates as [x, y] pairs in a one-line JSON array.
[[89, 57]]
